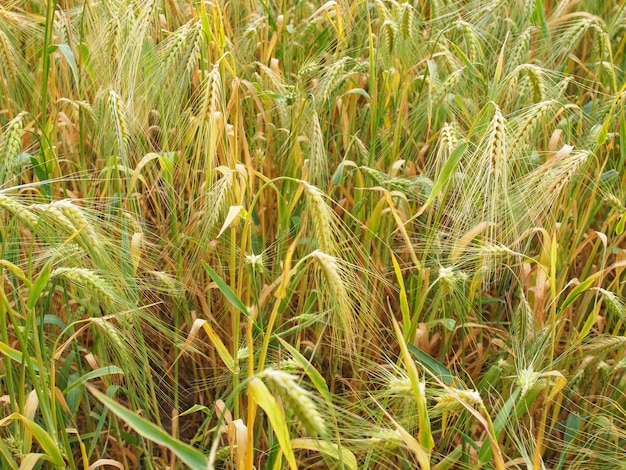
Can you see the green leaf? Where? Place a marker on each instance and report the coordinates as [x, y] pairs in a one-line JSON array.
[[424, 434], [404, 303], [446, 173], [619, 228], [69, 57], [14, 354], [579, 289], [49, 319], [190, 456], [572, 425], [101, 372], [486, 451], [608, 176], [316, 378], [540, 16], [468, 63], [434, 366], [358, 91], [336, 179], [227, 291], [39, 285], [195, 408], [329, 449], [265, 400]]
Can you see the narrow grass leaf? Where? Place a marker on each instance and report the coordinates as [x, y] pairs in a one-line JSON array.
[[101, 372], [358, 91], [404, 303], [39, 285], [69, 57], [619, 228], [11, 353], [227, 291], [468, 63], [434, 366], [424, 434], [316, 378], [579, 289], [486, 451], [329, 449], [446, 173], [190, 456], [540, 17]]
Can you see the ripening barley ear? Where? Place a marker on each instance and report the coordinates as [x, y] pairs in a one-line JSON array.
[[448, 141], [120, 124], [113, 40], [389, 32], [202, 132], [91, 283], [574, 30], [11, 147], [331, 81], [616, 305], [322, 220], [140, 33], [520, 49], [297, 400], [211, 208], [561, 8], [17, 209], [64, 217], [407, 14], [16, 82], [601, 346], [445, 87], [318, 160], [540, 189], [537, 81], [470, 37], [337, 295], [120, 339], [538, 119], [523, 320], [489, 184], [9, 55], [62, 28], [452, 402], [180, 51], [383, 12]]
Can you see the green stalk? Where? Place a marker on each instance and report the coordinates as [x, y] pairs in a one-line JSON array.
[[50, 7]]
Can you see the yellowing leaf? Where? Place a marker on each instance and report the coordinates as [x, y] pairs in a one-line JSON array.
[[265, 400], [233, 213]]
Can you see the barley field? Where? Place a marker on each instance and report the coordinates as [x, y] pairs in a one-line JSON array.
[[359, 234]]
